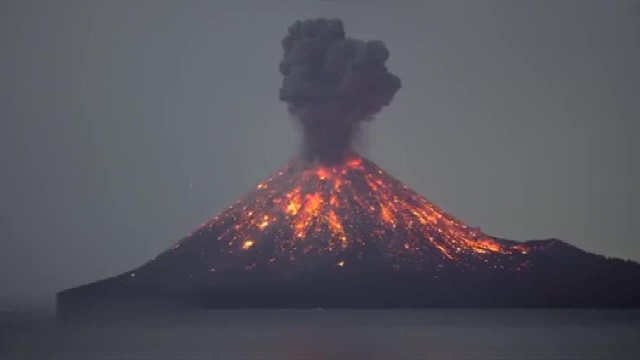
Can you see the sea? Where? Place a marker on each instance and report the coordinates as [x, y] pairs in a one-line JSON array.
[[329, 334]]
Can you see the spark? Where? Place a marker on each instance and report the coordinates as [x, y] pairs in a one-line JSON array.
[[247, 245]]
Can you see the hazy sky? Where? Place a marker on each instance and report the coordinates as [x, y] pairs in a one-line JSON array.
[[125, 124]]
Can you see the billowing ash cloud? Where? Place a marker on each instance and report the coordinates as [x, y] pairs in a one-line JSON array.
[[332, 83]]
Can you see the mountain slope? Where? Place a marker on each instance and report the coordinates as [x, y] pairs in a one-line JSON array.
[[305, 215]]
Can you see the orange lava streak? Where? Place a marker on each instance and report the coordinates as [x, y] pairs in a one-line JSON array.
[[308, 214], [295, 202], [336, 228], [322, 173]]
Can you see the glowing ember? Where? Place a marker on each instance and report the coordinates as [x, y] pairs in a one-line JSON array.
[[304, 211], [247, 244]]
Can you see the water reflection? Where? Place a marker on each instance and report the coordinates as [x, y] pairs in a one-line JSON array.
[[342, 334]]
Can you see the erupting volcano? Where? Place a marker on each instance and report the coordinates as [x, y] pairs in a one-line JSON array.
[[340, 212], [331, 229]]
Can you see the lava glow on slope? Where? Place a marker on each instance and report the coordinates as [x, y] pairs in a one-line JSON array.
[[306, 210]]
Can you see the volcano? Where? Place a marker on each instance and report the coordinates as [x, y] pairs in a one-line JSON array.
[[332, 229], [307, 217], [351, 235]]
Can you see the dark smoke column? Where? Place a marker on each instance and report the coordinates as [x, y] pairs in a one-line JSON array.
[[332, 83]]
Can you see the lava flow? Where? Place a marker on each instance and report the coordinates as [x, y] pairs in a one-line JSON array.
[[306, 210]]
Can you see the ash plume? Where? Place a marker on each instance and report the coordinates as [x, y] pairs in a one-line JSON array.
[[332, 84]]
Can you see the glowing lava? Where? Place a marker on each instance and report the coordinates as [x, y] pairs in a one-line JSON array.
[[308, 210]]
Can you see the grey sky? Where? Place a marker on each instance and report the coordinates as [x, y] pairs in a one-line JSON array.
[[125, 124]]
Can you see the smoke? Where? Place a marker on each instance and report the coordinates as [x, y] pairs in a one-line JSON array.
[[332, 84]]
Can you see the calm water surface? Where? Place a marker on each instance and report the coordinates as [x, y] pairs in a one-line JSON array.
[[343, 334]]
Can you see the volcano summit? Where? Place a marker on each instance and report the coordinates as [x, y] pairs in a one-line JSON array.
[[331, 229]]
